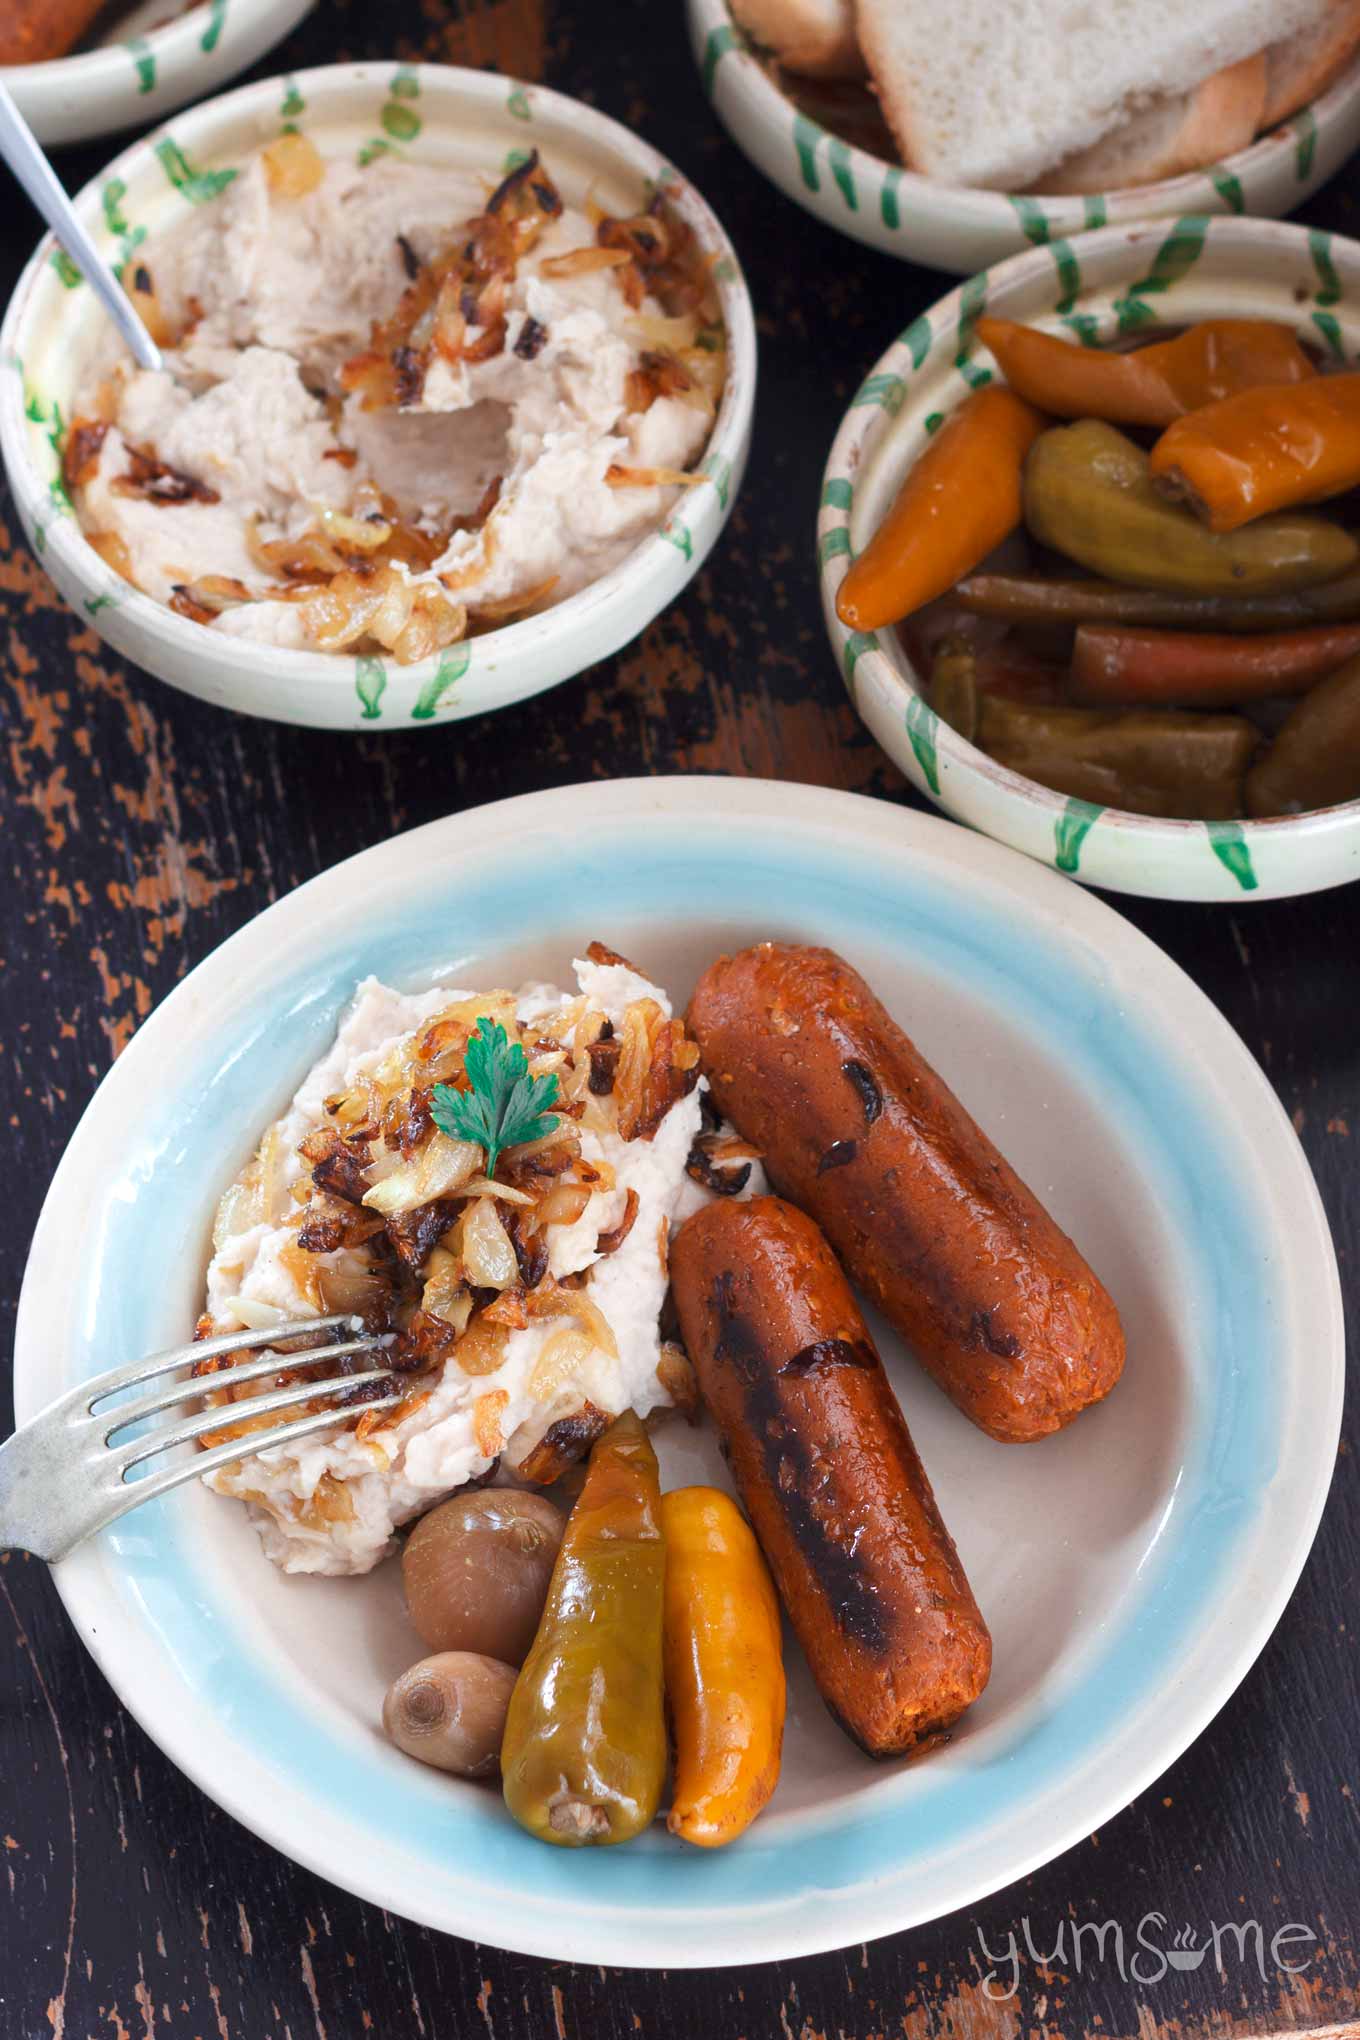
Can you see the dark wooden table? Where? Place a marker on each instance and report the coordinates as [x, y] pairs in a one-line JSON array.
[[141, 829]]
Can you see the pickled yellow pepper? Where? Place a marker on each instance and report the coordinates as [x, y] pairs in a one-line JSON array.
[[724, 1667], [584, 1754]]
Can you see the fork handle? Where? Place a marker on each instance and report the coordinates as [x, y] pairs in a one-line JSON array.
[[35, 1501]]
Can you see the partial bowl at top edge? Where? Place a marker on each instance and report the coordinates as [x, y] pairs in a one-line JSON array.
[[96, 91], [431, 113], [1117, 281], [954, 228]]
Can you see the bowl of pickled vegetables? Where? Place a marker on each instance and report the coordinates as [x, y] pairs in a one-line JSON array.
[[1090, 552]]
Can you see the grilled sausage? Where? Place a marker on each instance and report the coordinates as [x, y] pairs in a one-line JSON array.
[[929, 1219], [829, 1475], [33, 30]]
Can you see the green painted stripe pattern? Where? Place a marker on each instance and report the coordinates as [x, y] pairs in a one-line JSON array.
[[922, 723], [838, 494], [370, 683], [49, 418], [129, 238], [1330, 329], [1070, 831], [1329, 283], [890, 210], [1069, 274], [835, 544], [1177, 255], [212, 34], [1229, 844], [806, 136], [1086, 327], [719, 472], [838, 162], [399, 118], [1228, 188], [916, 340], [677, 533], [972, 303], [198, 186], [143, 62], [720, 41], [1093, 212], [452, 665], [856, 645], [887, 391], [1033, 219], [1305, 144]]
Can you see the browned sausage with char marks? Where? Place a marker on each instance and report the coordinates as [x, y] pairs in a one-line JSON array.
[[929, 1219], [828, 1473]]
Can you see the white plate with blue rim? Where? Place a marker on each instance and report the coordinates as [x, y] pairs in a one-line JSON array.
[[1131, 1568]]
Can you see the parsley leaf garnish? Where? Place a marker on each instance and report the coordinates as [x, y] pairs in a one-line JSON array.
[[505, 1104]]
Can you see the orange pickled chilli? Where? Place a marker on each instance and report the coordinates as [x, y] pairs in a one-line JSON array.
[[960, 499], [1153, 385], [1263, 450]]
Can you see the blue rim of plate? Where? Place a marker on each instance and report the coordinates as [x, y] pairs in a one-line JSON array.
[[1056, 962]]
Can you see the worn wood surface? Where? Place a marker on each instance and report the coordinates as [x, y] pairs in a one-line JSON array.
[[142, 828]]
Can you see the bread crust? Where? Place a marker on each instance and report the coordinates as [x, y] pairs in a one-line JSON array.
[[1219, 117], [815, 38], [1301, 69]]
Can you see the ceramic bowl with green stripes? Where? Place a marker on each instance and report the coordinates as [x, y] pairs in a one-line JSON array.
[[434, 114], [146, 66], [1116, 284], [951, 227]]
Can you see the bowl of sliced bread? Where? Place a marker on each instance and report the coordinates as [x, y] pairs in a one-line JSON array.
[[1028, 122], [1089, 545]]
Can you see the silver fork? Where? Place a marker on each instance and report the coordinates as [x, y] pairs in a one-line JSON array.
[[62, 1477]]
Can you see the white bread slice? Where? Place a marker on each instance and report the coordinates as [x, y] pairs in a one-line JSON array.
[[1300, 69], [1170, 136], [999, 91], [814, 37]]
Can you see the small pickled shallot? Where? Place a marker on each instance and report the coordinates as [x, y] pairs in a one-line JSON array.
[[441, 1166], [484, 1247], [449, 1711]]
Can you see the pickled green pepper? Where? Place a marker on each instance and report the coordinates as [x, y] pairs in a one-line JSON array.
[[584, 1755], [1146, 761], [1314, 761], [1089, 494]]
